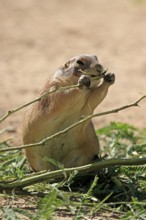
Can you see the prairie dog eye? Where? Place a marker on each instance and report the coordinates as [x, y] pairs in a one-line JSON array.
[[80, 62]]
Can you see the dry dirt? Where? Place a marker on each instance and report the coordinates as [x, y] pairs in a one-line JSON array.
[[36, 37]]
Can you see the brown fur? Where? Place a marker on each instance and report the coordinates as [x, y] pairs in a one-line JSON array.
[[59, 110]]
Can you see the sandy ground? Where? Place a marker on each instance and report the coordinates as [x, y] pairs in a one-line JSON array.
[[36, 37]]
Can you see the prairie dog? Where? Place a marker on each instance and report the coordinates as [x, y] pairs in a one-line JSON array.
[[57, 111]]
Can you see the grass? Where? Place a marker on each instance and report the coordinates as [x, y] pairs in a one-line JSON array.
[[115, 192]]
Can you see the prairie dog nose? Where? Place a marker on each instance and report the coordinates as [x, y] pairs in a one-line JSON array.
[[99, 68]]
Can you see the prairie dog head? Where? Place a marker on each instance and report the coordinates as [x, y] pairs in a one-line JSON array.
[[77, 66]]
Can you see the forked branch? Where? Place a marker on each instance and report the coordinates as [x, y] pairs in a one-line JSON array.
[[42, 142], [10, 112]]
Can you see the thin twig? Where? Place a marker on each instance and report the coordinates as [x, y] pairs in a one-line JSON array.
[[59, 174], [9, 129], [5, 142], [10, 112], [42, 142]]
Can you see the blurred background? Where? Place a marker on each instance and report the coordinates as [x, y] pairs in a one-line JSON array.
[[36, 37]]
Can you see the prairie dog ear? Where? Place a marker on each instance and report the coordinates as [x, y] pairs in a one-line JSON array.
[[66, 65], [96, 58]]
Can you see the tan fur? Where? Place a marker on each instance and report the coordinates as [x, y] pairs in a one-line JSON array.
[[59, 110]]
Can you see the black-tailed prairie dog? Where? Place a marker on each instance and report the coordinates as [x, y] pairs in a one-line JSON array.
[[57, 111]]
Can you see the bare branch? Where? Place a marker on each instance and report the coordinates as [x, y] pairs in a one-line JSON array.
[[9, 129], [74, 125], [10, 112], [59, 174]]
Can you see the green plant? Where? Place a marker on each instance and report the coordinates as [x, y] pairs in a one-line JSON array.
[[120, 190]]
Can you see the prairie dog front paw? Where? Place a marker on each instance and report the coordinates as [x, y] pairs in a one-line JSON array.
[[109, 78], [84, 82]]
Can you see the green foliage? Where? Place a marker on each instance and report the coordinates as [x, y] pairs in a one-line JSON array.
[[136, 210], [48, 205], [9, 214], [118, 190], [11, 165], [120, 140]]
